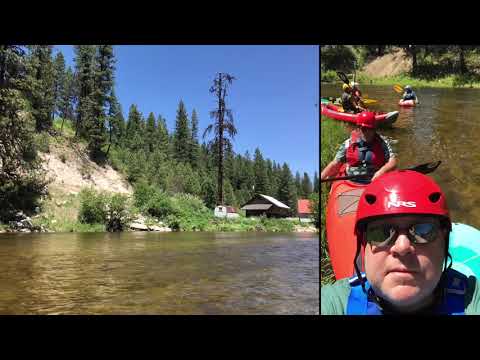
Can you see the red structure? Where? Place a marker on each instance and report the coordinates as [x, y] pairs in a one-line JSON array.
[[303, 206]]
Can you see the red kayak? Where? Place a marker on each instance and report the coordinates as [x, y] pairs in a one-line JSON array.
[[333, 112], [407, 103], [340, 222]]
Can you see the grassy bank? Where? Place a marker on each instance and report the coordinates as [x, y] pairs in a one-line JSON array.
[[451, 81], [332, 134], [61, 212]]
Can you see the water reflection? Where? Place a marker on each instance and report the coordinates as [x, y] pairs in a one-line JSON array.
[[174, 273]]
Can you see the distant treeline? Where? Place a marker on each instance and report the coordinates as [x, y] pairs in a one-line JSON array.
[[36, 87], [428, 61]]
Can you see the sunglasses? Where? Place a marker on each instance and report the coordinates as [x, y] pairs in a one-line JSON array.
[[383, 235]]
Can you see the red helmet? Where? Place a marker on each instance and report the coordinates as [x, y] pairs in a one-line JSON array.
[[367, 119], [401, 192]]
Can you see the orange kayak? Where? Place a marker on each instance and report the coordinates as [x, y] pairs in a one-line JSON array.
[[340, 222], [407, 103]]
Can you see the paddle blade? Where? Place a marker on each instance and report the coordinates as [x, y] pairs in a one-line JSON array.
[[425, 168], [343, 77], [369, 101], [398, 88]]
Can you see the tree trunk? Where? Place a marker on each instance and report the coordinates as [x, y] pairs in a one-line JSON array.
[[110, 142], [2, 67], [220, 143], [413, 51], [462, 60]]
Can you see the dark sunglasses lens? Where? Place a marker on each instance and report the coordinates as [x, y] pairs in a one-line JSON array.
[[424, 232], [379, 235]]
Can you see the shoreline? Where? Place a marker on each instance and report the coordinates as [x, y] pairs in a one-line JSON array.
[[96, 228], [451, 81]]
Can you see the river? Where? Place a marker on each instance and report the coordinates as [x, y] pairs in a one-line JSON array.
[[445, 126], [159, 273]]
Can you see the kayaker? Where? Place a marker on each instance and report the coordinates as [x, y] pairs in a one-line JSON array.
[[409, 94], [402, 227], [357, 94], [348, 100], [365, 152]]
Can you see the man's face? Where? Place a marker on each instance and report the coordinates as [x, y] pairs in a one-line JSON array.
[[368, 134], [402, 272]]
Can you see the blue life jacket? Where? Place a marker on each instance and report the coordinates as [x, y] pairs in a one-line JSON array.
[[361, 303], [410, 96]]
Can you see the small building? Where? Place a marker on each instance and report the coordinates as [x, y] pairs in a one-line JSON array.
[[265, 205], [304, 211], [225, 211]]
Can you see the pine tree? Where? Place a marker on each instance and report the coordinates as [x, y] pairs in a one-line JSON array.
[[162, 136], [286, 189], [249, 176], [67, 97], [40, 91], [260, 172], [103, 85], [271, 185], [116, 122], [298, 183], [150, 133], [316, 185], [21, 178], [194, 151], [223, 122], [59, 83], [85, 79], [306, 186], [134, 130], [182, 135]]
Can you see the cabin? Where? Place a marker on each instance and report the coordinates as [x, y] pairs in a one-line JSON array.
[[228, 212], [304, 212], [265, 205]]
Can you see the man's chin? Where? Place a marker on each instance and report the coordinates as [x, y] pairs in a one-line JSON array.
[[404, 295]]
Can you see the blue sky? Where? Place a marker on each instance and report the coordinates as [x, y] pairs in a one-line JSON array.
[[273, 99]]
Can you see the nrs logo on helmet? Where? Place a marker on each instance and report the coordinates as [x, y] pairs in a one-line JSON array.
[[401, 203]]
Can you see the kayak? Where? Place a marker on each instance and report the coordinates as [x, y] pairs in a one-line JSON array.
[[336, 112], [340, 222], [465, 249], [407, 103]]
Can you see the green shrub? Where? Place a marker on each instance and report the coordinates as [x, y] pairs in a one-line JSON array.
[[63, 158], [189, 213], [92, 207], [142, 194], [315, 208], [152, 201], [42, 142], [160, 205], [117, 212]]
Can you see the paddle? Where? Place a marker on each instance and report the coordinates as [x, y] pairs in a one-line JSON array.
[[369, 101], [423, 168], [398, 88], [344, 78], [354, 70]]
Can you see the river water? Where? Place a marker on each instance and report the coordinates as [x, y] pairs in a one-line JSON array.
[[445, 126], [159, 273]]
